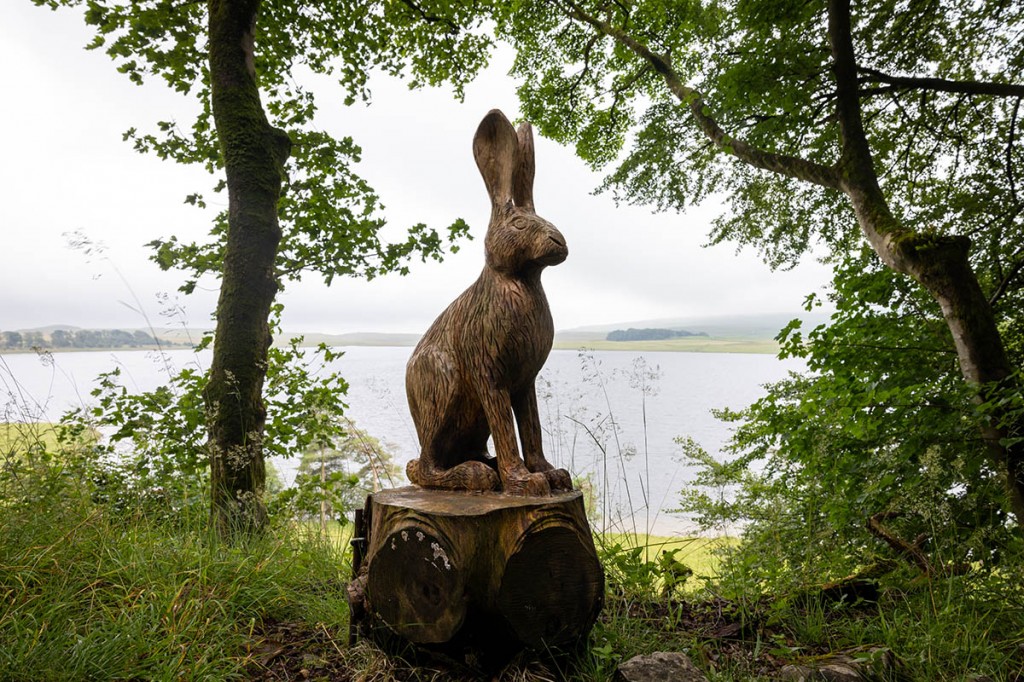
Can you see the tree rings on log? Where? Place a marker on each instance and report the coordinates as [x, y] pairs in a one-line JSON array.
[[480, 570], [427, 608], [547, 594]]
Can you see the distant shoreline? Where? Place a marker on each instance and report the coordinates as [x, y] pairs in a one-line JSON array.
[[746, 334], [683, 345], [54, 351]]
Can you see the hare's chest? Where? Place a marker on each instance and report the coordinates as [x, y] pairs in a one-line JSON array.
[[518, 330]]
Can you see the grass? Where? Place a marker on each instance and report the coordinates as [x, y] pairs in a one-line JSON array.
[[93, 589], [91, 596], [701, 555], [696, 344], [86, 595]]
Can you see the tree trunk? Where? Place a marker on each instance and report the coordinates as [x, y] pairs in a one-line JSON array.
[[486, 573], [254, 154], [938, 262]]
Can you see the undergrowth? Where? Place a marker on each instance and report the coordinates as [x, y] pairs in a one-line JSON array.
[[93, 591], [90, 589], [941, 627]]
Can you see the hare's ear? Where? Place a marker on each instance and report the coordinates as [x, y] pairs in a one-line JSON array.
[[495, 148], [522, 179]]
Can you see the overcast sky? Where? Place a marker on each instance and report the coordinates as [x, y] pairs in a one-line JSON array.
[[67, 170]]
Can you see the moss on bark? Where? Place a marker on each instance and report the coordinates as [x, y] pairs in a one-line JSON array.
[[254, 154]]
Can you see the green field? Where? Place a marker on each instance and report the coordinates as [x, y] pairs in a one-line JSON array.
[[694, 344], [19, 437], [699, 554], [91, 589], [119, 349]]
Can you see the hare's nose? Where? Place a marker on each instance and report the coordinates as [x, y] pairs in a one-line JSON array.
[[558, 239]]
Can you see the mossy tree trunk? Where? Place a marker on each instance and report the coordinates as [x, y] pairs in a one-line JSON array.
[[254, 154], [938, 262]]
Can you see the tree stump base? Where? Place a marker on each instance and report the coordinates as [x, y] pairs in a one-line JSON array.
[[472, 574]]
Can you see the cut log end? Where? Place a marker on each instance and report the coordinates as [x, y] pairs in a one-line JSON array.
[[416, 587], [552, 588]]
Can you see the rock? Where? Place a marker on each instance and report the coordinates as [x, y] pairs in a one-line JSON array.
[[832, 672], [661, 666], [851, 666]]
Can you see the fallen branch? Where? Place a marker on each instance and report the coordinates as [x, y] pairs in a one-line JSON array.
[[911, 551]]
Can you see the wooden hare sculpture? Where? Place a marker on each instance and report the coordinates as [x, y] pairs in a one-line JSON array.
[[472, 374]]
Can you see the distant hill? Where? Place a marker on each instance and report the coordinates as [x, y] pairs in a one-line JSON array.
[[67, 338], [182, 335], [49, 329], [718, 334], [755, 326], [193, 336], [356, 339]]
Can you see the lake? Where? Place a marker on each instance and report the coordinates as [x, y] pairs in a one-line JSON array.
[[609, 416]]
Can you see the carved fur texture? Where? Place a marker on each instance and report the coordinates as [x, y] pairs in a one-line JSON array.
[[472, 374]]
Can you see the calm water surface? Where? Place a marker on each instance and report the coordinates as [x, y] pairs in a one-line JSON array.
[[610, 416]]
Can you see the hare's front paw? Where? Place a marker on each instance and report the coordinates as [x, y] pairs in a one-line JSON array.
[[559, 479], [472, 476], [528, 485]]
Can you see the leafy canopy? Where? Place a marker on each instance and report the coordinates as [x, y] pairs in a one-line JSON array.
[[945, 155], [330, 216]]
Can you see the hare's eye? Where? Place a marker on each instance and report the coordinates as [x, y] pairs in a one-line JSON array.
[[519, 223]]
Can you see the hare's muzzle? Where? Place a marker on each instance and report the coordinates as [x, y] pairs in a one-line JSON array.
[[556, 250]]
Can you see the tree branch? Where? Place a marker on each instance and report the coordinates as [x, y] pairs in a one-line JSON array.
[[428, 17], [1009, 151], [921, 349], [943, 84], [911, 551], [1004, 285], [587, 49], [858, 177], [783, 164]]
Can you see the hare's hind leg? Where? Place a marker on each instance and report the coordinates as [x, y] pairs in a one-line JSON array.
[[465, 476], [431, 384], [528, 417], [430, 471]]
